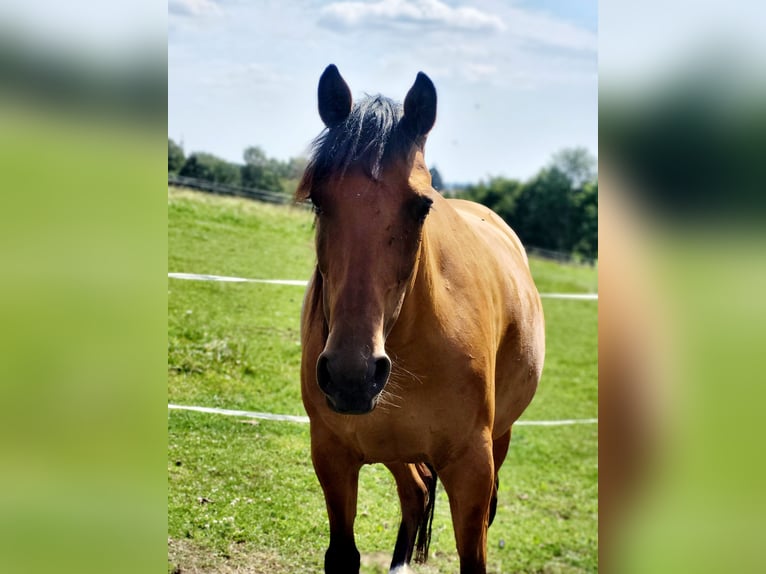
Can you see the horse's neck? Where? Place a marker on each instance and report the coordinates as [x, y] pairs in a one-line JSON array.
[[442, 240], [446, 241]]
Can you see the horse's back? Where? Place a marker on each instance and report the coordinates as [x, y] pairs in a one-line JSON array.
[[521, 346], [479, 216]]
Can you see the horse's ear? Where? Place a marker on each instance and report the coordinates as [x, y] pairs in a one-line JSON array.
[[420, 106], [334, 97]]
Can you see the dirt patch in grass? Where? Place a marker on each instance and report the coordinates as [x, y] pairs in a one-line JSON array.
[[186, 557], [378, 563]]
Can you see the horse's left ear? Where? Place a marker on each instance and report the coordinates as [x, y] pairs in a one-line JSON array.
[[420, 106]]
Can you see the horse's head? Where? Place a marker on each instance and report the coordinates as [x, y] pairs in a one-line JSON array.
[[371, 191]]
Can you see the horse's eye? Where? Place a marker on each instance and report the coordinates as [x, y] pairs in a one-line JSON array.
[[421, 208], [315, 207]]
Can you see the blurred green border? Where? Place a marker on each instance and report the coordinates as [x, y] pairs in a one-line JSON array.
[[83, 304]]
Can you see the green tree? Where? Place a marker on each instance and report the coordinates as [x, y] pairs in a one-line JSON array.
[[208, 167], [499, 194], [436, 179], [292, 171], [226, 172], [259, 171], [558, 207], [295, 167], [587, 232], [577, 163], [176, 157], [544, 217], [254, 155], [193, 167]]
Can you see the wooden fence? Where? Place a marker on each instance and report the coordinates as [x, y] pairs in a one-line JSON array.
[[280, 198], [224, 189]]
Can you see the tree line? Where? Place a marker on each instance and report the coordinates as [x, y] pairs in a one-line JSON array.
[[557, 209], [258, 171]]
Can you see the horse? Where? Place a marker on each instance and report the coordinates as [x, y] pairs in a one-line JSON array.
[[422, 330]]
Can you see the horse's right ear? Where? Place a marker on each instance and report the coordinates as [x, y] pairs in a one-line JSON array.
[[334, 97]]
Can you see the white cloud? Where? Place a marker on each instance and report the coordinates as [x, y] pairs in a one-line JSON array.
[[193, 7], [546, 30], [345, 15], [475, 71], [244, 76], [521, 26]]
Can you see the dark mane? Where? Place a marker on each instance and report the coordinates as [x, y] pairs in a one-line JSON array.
[[368, 137]]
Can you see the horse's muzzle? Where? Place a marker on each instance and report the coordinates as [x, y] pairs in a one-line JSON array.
[[352, 387]]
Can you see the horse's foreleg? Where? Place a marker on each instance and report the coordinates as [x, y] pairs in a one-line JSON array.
[[468, 480], [338, 473], [415, 488]]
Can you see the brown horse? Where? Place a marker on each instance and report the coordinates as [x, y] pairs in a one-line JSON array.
[[422, 329]]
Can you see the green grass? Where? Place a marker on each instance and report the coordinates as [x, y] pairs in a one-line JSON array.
[[242, 495], [552, 277], [230, 236]]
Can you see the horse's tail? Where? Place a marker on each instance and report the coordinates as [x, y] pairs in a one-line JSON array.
[[423, 541]]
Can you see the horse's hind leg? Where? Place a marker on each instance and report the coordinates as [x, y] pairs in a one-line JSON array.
[[499, 450], [416, 485], [338, 473]]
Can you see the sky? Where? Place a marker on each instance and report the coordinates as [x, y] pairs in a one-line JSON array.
[[516, 80]]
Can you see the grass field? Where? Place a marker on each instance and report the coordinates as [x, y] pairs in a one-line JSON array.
[[242, 495]]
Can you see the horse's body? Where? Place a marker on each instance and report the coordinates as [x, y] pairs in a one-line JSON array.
[[422, 333]]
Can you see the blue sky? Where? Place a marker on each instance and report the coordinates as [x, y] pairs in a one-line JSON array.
[[516, 81]]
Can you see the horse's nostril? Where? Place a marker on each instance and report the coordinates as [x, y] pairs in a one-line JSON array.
[[323, 373], [382, 370]]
